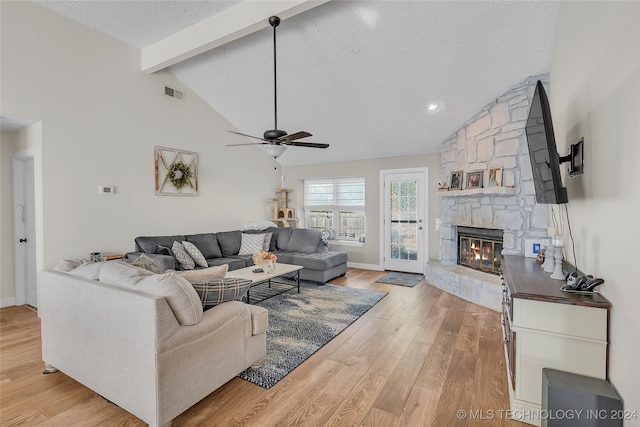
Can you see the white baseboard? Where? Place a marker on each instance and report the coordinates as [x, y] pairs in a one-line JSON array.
[[7, 302], [365, 266]]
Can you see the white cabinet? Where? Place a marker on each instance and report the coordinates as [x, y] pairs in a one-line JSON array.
[[546, 328]]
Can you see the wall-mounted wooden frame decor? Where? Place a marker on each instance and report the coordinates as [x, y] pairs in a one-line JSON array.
[[176, 172]]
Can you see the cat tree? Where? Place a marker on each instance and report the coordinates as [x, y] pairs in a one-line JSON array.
[[282, 214]]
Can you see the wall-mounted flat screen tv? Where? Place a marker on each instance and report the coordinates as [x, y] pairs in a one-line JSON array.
[[543, 153]]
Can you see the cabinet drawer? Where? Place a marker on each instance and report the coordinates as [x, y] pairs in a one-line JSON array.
[[565, 319]]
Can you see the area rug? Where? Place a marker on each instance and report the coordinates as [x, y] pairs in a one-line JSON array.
[[301, 323], [401, 279]]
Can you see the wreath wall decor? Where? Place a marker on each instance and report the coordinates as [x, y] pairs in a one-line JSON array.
[[176, 172]]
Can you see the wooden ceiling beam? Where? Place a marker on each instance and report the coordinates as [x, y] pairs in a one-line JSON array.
[[231, 24]]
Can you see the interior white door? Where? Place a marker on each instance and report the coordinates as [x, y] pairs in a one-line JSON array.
[[25, 244], [404, 222]]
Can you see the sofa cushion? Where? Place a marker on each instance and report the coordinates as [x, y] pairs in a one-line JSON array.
[[284, 234], [216, 291], [304, 240], [195, 254], [216, 272], [313, 261], [251, 243], [147, 263], [229, 242], [180, 295], [149, 244], [183, 258], [89, 270], [234, 262], [207, 243]]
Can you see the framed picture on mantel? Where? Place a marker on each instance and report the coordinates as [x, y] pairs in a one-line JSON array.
[[495, 177], [456, 180], [474, 180]]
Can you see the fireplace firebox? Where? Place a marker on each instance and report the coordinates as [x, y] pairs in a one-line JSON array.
[[480, 248]]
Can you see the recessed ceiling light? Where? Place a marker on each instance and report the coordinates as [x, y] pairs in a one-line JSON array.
[[435, 107]]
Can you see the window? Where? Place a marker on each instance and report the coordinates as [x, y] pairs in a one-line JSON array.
[[336, 204]]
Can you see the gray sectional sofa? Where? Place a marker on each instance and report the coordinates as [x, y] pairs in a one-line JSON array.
[[299, 246]]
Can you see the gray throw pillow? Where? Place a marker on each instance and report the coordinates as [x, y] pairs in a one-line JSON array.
[[147, 263], [183, 258], [216, 291]]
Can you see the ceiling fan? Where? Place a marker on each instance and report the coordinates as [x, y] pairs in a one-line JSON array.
[[275, 141]]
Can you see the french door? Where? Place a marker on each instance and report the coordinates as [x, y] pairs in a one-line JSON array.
[[404, 221]]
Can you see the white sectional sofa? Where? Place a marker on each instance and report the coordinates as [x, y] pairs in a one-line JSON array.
[[153, 355]]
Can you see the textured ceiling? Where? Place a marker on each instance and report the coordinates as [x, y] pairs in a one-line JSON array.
[[356, 74]]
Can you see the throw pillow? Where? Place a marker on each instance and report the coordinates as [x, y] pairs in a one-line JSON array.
[[183, 258], [259, 225], [267, 242], [145, 262], [251, 243], [217, 272], [216, 291], [89, 270], [178, 292], [66, 265], [195, 253], [163, 250]]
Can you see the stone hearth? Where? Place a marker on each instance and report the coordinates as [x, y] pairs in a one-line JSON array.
[[494, 138]]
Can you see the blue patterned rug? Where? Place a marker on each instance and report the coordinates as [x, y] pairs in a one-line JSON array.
[[301, 323], [401, 279]]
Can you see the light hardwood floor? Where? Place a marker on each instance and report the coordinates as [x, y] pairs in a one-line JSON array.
[[415, 359]]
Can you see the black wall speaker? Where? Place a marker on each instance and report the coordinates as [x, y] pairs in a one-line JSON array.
[[576, 400]]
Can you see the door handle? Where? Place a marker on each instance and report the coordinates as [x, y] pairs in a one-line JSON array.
[[22, 240]]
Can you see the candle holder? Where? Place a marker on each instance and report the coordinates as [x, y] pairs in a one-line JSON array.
[[549, 262], [558, 273]]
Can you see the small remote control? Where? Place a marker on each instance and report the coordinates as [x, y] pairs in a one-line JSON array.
[[258, 270]]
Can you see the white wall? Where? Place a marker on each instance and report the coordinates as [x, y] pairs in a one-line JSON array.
[[101, 118], [595, 93], [369, 253]]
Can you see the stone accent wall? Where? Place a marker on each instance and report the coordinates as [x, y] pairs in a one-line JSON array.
[[494, 138]]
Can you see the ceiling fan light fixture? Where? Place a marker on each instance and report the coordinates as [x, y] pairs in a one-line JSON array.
[[274, 150]]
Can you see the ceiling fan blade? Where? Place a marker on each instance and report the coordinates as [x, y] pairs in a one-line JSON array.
[[294, 136], [250, 143], [306, 144], [250, 136]]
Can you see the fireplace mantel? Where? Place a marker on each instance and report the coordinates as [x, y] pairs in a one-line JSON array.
[[497, 191]]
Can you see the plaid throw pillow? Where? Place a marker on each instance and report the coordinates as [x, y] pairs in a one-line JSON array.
[[216, 291]]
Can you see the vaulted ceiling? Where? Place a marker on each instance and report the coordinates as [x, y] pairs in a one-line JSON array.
[[358, 75]]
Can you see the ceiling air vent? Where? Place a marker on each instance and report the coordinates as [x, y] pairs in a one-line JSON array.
[[173, 93]]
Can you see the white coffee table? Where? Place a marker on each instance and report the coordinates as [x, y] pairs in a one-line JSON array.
[[257, 278]]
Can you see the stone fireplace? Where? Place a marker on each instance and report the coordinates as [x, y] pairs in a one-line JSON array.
[[495, 138]]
